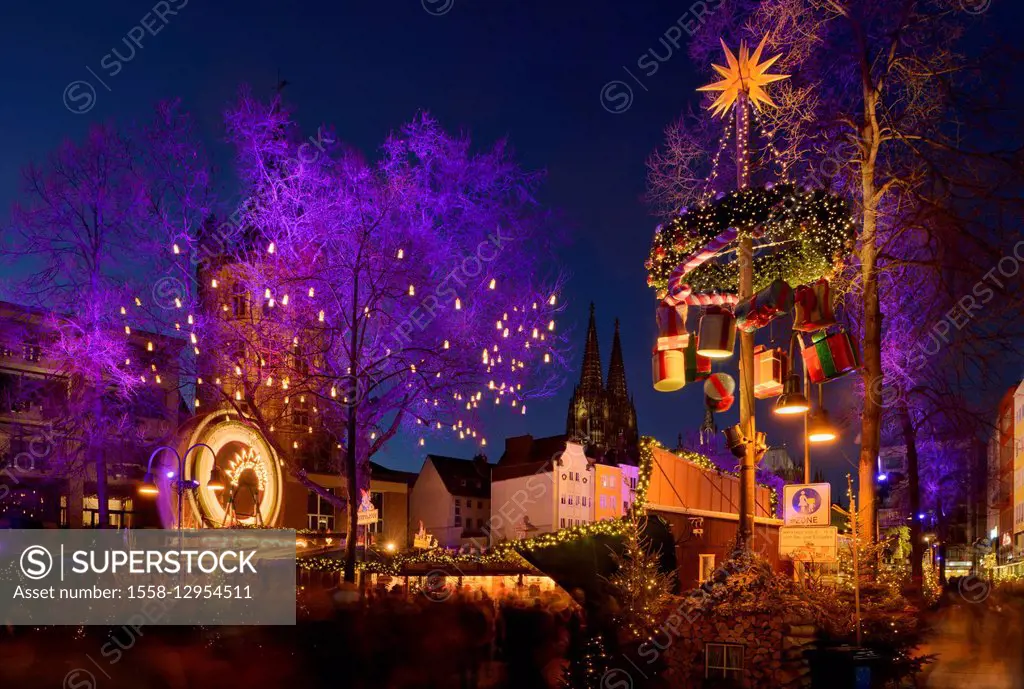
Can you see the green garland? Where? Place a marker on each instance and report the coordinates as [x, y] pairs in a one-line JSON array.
[[507, 552], [814, 229]]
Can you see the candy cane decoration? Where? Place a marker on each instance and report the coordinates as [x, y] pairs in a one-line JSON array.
[[679, 292]]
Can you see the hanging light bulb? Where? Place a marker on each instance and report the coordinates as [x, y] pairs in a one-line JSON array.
[[312, 292], [213, 283], [272, 248], [175, 249], [493, 284], [552, 300], [401, 254], [458, 304], [551, 325], [412, 290], [446, 344]]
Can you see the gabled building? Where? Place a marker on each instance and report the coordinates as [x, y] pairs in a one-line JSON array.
[[452, 498]]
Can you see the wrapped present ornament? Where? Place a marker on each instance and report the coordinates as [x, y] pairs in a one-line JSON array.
[[672, 327], [829, 356], [716, 334], [719, 392], [697, 367], [770, 369], [813, 307], [764, 307], [669, 368]]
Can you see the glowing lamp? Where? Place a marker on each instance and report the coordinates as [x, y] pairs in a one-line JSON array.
[[820, 429], [792, 400], [148, 486], [216, 482]]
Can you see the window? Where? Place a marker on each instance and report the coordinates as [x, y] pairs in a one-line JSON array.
[[320, 512], [119, 515], [300, 412], [603, 501], [458, 521], [561, 522], [563, 499], [239, 301], [458, 510], [723, 661], [469, 523], [480, 504], [705, 567], [458, 502]]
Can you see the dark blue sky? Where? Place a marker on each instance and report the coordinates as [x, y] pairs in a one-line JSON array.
[[532, 71]]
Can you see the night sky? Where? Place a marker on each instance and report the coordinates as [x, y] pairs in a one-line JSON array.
[[532, 71]]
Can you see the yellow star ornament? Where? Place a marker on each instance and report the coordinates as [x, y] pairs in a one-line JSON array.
[[746, 75]]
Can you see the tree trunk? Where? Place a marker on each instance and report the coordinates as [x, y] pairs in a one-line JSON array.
[[872, 374], [101, 489], [914, 493], [353, 497], [871, 419]]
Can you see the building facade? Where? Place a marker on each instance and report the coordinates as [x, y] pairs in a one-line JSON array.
[[451, 498], [534, 493]]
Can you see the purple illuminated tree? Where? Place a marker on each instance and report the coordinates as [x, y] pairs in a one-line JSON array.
[[360, 298], [90, 219]]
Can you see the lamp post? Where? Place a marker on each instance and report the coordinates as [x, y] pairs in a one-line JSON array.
[[149, 487]]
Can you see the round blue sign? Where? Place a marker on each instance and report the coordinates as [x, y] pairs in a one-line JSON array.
[[806, 501]]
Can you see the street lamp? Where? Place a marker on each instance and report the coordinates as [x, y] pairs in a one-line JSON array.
[[149, 487], [819, 428], [792, 400]]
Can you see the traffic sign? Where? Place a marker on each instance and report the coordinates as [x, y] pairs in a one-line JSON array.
[[808, 543], [807, 504]]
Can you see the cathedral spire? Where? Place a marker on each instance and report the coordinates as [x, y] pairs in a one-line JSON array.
[[591, 378], [617, 389]]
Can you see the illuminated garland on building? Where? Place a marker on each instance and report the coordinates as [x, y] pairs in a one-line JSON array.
[[811, 230], [508, 551]]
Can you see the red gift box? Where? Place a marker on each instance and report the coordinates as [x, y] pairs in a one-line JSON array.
[[771, 366], [813, 307], [764, 307], [829, 356], [669, 369], [672, 327]]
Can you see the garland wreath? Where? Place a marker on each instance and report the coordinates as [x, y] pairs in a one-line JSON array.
[[803, 235]]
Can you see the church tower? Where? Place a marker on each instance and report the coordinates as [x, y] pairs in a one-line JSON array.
[[588, 408], [622, 433], [603, 416]]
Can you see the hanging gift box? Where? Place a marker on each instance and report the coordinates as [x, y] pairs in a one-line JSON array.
[[672, 327], [719, 391], [829, 356], [764, 307], [697, 367], [813, 307], [716, 334], [669, 368], [770, 369]]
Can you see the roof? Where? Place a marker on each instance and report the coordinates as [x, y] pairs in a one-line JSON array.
[[469, 478], [383, 473], [503, 473], [525, 449]]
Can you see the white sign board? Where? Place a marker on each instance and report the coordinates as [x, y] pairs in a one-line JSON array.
[[808, 544], [807, 504]]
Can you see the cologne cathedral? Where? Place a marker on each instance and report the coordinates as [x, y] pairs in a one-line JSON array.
[[602, 416]]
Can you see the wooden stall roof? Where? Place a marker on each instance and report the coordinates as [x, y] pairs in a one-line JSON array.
[[678, 485]]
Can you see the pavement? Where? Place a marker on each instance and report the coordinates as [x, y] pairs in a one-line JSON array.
[[978, 645]]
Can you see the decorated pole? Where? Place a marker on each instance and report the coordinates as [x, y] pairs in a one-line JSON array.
[[742, 87], [746, 289]]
